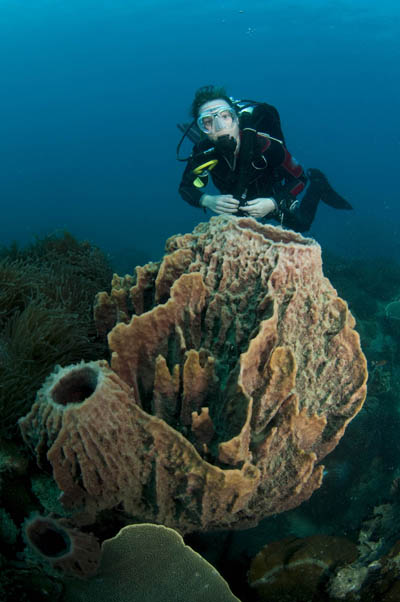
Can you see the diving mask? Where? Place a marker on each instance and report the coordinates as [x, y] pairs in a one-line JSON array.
[[216, 119]]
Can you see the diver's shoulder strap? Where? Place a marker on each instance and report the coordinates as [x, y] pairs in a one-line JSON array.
[[263, 117]]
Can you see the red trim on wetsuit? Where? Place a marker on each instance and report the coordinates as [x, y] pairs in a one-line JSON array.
[[297, 189], [291, 165]]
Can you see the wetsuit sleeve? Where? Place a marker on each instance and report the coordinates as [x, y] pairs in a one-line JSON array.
[[188, 191]]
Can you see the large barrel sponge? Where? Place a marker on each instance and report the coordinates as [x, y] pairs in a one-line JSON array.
[[235, 369]]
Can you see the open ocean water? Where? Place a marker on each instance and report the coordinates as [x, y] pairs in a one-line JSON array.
[[91, 93]]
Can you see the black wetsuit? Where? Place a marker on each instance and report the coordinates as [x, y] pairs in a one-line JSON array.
[[264, 168]]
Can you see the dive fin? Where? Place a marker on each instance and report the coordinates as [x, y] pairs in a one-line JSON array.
[[327, 194]]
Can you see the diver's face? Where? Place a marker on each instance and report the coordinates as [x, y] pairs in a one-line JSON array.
[[218, 119]]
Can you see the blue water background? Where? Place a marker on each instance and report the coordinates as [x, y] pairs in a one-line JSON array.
[[91, 93]]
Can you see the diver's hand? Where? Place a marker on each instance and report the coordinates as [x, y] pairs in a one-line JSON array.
[[220, 203], [259, 207]]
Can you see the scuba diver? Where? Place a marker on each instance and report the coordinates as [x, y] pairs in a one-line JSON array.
[[240, 144]]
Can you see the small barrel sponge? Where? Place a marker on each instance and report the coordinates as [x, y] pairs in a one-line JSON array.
[[105, 451], [235, 369], [63, 546], [151, 563]]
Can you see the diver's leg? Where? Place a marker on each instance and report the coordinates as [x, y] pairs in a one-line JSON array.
[[300, 215], [327, 194]]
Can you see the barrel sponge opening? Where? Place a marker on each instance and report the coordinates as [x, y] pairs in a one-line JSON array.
[[47, 537], [76, 385], [59, 543]]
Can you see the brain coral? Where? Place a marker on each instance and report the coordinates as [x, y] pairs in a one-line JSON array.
[[235, 369]]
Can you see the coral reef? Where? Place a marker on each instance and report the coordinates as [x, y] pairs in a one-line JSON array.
[[150, 563], [324, 568], [331, 568], [297, 569], [46, 299], [19, 578], [8, 529], [235, 369], [24, 583], [392, 310], [374, 574]]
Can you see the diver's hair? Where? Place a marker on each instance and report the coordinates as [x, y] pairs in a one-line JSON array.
[[205, 94]]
